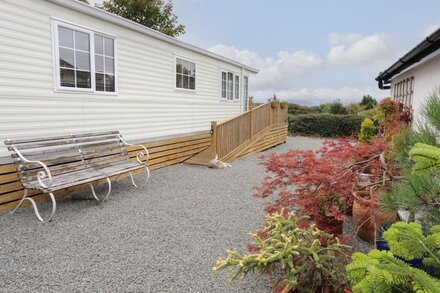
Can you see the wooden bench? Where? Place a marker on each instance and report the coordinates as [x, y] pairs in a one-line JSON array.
[[56, 163]]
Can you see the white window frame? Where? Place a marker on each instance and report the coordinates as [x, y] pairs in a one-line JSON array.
[[234, 74], [175, 73], [56, 60]]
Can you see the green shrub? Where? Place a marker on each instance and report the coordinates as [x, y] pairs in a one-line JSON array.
[[296, 109], [368, 130], [327, 125], [370, 114], [354, 108]]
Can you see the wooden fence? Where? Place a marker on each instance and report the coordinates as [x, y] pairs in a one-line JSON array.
[[230, 139]]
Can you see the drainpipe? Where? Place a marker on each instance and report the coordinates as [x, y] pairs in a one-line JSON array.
[[382, 86]]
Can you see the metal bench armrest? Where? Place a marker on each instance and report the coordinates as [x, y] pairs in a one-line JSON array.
[[142, 153], [42, 176]]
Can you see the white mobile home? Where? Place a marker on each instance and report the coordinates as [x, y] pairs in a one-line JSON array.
[[69, 67], [416, 75]]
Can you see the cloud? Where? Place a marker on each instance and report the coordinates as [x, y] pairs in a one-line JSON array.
[[275, 73], [338, 39], [354, 49], [279, 74], [429, 30]]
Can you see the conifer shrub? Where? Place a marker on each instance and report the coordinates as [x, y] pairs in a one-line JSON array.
[[368, 130], [292, 250], [386, 271]]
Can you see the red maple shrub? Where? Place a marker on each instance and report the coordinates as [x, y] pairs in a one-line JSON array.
[[321, 182]]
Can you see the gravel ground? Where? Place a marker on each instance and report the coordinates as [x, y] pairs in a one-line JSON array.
[[165, 236]]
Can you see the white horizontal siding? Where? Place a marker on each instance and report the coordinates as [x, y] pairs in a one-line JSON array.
[[147, 104]]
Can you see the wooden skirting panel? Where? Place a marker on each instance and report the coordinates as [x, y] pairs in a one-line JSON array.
[[162, 153]]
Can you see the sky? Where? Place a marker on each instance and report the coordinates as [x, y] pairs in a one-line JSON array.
[[310, 52]]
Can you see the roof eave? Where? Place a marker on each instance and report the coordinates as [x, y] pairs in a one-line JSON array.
[[429, 45], [116, 19]]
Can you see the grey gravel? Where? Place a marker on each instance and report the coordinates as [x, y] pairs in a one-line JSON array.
[[164, 237]]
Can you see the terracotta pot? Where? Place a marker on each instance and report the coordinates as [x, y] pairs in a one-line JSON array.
[[328, 224], [368, 217], [274, 105]]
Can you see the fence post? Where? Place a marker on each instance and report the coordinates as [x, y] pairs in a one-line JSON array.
[[213, 138], [250, 123], [270, 114]]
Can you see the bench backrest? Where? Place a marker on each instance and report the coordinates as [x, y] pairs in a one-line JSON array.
[[66, 154]]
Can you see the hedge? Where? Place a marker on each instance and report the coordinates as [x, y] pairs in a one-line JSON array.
[[327, 125]]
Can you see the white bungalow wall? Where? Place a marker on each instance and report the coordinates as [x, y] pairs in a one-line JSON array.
[[146, 105]]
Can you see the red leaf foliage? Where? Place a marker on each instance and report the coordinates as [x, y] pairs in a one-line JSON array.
[[322, 181]]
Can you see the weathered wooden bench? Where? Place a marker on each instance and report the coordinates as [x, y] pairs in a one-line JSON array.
[[57, 163]]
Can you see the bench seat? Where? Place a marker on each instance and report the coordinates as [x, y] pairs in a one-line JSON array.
[[54, 163]]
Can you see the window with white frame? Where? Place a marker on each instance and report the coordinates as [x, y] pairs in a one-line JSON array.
[[85, 60], [230, 83], [185, 74]]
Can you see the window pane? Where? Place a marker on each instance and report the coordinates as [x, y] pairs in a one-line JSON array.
[[99, 46], [178, 65], [224, 85], [185, 84], [99, 82], [192, 68], [109, 65], [237, 87], [82, 60], [67, 77], [83, 79], [66, 58], [109, 83], [186, 67], [82, 41], [224, 76], [192, 83], [178, 81], [109, 47], [223, 94], [99, 63], [65, 37]]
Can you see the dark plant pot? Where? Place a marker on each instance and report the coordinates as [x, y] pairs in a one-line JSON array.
[[368, 217], [381, 243], [328, 224]]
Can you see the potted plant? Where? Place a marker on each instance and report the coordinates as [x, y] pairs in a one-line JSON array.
[[292, 250], [321, 183], [316, 184], [368, 215]]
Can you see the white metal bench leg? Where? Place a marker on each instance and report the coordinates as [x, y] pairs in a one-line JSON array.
[[34, 205], [109, 184], [145, 182]]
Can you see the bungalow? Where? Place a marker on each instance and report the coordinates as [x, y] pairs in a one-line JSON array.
[[69, 67], [416, 75]]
